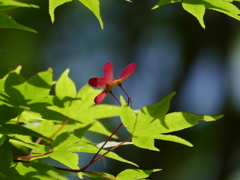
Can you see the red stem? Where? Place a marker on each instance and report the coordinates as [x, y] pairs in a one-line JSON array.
[[76, 170], [106, 142], [28, 157], [100, 175], [109, 136], [115, 147], [59, 129], [93, 161], [129, 99], [115, 98]]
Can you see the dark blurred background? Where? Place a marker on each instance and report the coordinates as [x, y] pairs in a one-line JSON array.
[[173, 53]]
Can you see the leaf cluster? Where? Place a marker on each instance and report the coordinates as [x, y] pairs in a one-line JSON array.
[[195, 7], [198, 7], [42, 125]]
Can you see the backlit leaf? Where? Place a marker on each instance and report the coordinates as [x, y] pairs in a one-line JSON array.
[[181, 120], [39, 85], [144, 142], [15, 86], [39, 170], [94, 6], [53, 4], [151, 121], [163, 2], [25, 141], [196, 8], [131, 174], [17, 129], [224, 7], [65, 86], [67, 158], [97, 177], [9, 4], [8, 22], [112, 155]]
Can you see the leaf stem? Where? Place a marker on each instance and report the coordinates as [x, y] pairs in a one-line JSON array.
[[115, 98], [40, 139], [106, 142], [129, 99], [93, 161], [113, 148], [59, 129], [100, 175], [28, 157], [80, 170], [17, 159], [18, 118]]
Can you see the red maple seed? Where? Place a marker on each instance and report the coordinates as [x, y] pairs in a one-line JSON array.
[[108, 81]]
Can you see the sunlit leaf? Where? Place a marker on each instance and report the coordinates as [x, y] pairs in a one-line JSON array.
[[53, 4], [9, 4], [144, 142], [94, 6], [65, 87], [17, 129], [97, 177], [15, 87], [173, 138], [101, 129], [25, 141], [224, 7], [181, 120], [112, 155], [8, 22], [39, 85], [83, 109], [163, 2], [196, 8], [130, 174], [156, 110], [67, 158], [39, 171], [102, 111], [153, 120]]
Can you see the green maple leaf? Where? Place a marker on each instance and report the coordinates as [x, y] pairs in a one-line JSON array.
[[92, 5], [198, 7], [39, 171], [80, 105], [131, 174], [152, 121], [9, 4], [7, 21], [66, 145]]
